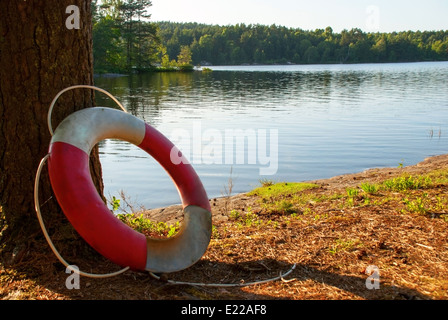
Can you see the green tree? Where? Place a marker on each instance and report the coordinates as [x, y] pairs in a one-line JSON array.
[[440, 48], [303, 46], [140, 37], [328, 33], [165, 61], [206, 47], [108, 53], [379, 49], [184, 57], [312, 55], [240, 43], [111, 8]]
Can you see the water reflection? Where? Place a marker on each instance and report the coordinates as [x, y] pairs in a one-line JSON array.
[[330, 120]]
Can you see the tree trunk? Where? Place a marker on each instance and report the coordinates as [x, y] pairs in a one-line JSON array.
[[39, 56]]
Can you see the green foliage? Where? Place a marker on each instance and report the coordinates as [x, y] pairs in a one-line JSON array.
[[115, 203], [184, 57], [351, 192], [122, 40], [351, 195], [108, 52], [369, 188], [282, 189], [417, 205], [407, 183], [234, 214], [241, 43], [266, 182], [281, 197], [148, 227], [247, 219], [284, 206]]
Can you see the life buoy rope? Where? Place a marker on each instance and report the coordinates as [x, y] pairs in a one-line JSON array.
[[68, 166]]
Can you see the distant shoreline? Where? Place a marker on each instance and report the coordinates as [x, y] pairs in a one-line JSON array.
[[209, 67]]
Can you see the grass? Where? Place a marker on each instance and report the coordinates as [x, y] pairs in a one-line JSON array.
[[369, 188], [246, 219], [281, 198], [407, 183], [272, 190]]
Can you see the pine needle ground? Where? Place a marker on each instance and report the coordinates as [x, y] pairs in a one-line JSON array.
[[333, 231]]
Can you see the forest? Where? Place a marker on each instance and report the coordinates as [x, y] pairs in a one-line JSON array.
[[126, 40]]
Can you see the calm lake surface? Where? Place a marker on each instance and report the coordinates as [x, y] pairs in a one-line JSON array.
[[298, 123]]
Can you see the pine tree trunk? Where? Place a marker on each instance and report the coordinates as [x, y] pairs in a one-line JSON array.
[[39, 56]]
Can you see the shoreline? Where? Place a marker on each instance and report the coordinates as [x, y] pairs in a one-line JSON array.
[[174, 213]]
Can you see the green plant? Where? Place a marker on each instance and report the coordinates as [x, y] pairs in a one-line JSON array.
[[234, 214], [369, 188], [227, 193], [173, 230], [284, 206], [280, 190], [115, 203], [215, 232], [441, 204], [351, 193], [407, 183], [266, 182], [148, 227], [248, 219], [343, 245], [251, 219], [418, 205]]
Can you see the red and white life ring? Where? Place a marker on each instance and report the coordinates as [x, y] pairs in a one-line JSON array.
[[68, 166]]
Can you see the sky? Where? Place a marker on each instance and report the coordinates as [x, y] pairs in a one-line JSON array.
[[368, 15]]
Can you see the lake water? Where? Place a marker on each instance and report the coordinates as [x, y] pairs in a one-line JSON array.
[[295, 123]]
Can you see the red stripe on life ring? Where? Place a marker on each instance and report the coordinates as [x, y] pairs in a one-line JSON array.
[[185, 178], [76, 193]]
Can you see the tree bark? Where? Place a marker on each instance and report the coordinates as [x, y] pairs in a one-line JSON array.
[[39, 56]]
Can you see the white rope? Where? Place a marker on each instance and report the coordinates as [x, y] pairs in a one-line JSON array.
[[280, 277], [50, 110], [36, 186]]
